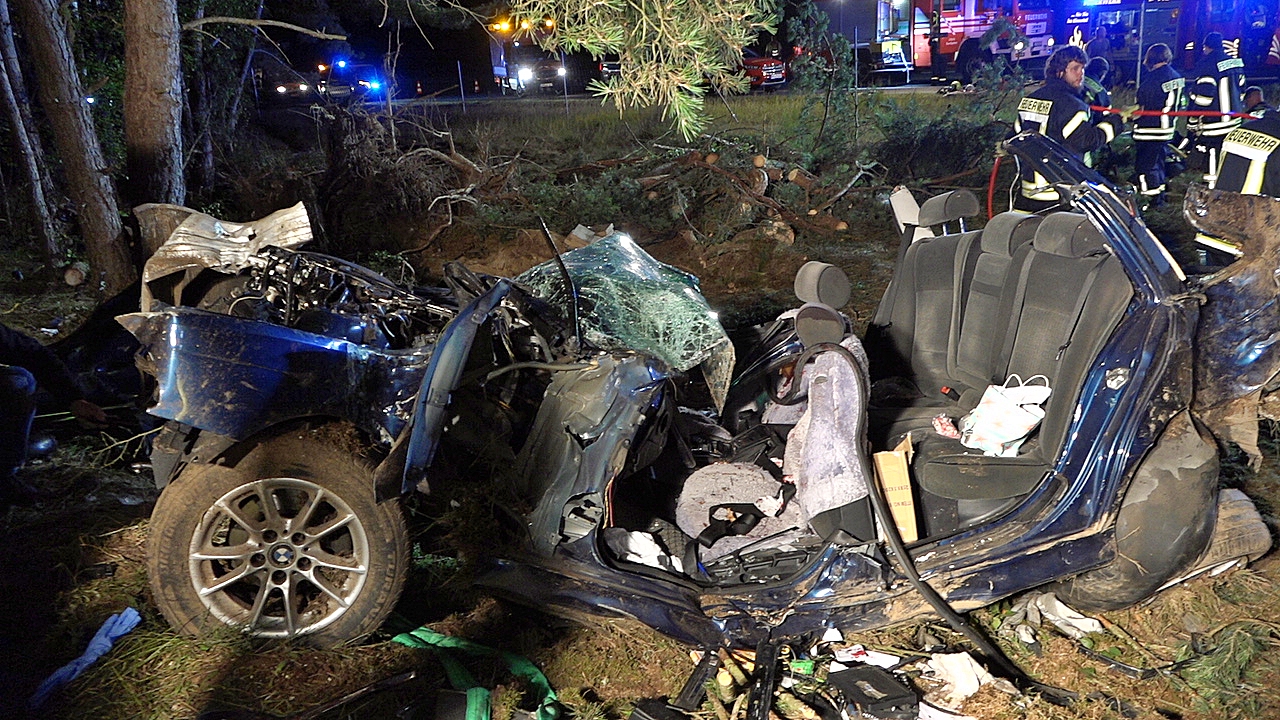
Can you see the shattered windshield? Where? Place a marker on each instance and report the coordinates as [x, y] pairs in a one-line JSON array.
[[631, 301]]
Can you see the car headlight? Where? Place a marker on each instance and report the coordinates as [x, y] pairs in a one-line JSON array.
[[561, 72], [1019, 46], [525, 74], [1049, 42], [282, 89], [302, 87]]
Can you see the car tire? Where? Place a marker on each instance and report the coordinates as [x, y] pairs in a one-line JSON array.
[[218, 556], [970, 58]]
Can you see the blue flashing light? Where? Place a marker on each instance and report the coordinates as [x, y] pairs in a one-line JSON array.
[[341, 63], [374, 85]]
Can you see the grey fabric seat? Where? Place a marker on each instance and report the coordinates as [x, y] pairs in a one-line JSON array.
[[976, 321], [944, 320], [1060, 302]]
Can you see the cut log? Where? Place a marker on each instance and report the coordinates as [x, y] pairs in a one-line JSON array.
[[802, 177], [76, 273]]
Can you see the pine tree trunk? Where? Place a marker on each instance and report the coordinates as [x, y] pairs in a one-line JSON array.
[[153, 102], [25, 141], [88, 180]]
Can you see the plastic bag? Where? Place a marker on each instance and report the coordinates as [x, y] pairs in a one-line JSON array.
[[1005, 416]]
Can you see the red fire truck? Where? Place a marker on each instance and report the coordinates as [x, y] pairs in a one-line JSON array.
[[964, 22], [1250, 30], [896, 32]]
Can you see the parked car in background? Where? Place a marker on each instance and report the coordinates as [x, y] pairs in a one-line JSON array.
[[609, 67], [764, 72], [345, 82]]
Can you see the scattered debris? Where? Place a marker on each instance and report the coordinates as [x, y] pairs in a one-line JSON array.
[[114, 628]]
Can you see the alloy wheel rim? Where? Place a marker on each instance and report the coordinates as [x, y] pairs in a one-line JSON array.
[[279, 557]]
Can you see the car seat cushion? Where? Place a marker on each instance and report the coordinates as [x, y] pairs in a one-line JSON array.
[[727, 483]]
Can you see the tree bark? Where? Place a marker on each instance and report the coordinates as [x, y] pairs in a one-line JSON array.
[[88, 180], [153, 102], [25, 141]]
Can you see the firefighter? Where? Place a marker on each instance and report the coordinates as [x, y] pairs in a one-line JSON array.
[[935, 46], [1095, 84], [1218, 86], [1255, 102], [1247, 155], [1250, 166], [1161, 90], [1100, 45], [1057, 111]]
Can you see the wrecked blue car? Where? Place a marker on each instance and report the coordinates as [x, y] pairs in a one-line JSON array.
[[648, 466]]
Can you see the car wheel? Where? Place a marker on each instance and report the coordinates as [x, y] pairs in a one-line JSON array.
[[288, 543], [970, 59]]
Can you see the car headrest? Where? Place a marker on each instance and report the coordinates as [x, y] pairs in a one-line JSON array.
[[819, 282], [1068, 235], [1008, 231], [817, 323], [947, 207]]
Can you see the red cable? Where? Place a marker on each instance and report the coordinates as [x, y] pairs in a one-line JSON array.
[[1171, 113]]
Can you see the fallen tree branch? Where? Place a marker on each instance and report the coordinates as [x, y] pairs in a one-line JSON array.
[[254, 22], [787, 215]]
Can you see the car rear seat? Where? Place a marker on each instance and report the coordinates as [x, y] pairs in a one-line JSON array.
[[962, 276], [975, 318], [1059, 304], [908, 337]]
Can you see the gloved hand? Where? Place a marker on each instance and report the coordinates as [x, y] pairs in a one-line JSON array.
[[1127, 114]]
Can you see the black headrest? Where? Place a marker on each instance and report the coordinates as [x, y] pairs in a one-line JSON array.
[[947, 207], [1068, 235], [1008, 231]]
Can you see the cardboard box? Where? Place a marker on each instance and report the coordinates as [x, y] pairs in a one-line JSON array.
[[893, 472]]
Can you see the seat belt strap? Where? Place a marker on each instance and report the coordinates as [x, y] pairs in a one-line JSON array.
[[1001, 368], [1079, 308]]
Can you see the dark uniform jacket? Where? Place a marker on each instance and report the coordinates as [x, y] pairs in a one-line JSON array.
[[1161, 89], [50, 373], [1219, 85], [1095, 94], [1057, 111], [1250, 164]]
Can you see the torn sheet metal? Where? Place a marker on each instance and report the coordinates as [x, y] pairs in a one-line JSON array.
[[204, 242], [630, 301], [1237, 351], [236, 377]]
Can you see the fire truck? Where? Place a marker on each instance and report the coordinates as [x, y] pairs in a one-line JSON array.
[[895, 33], [520, 65], [1249, 29], [964, 22]]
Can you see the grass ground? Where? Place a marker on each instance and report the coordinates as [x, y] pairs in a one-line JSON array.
[[68, 565]]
